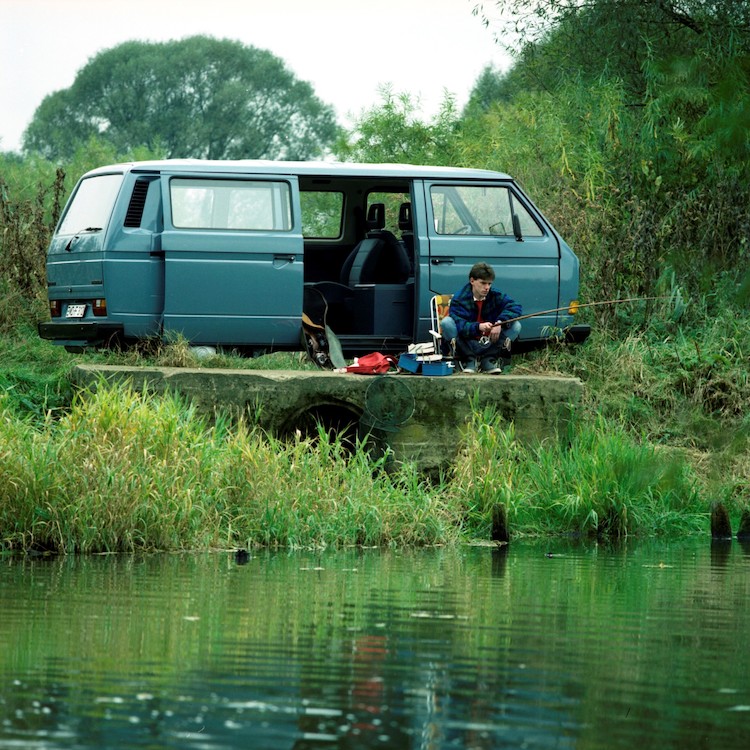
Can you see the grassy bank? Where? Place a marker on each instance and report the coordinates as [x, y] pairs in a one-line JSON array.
[[663, 432], [122, 471]]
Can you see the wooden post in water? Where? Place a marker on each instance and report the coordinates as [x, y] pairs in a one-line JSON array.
[[500, 531], [721, 526], [743, 533]]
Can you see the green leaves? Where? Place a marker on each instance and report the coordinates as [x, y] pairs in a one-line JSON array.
[[393, 132], [198, 97]]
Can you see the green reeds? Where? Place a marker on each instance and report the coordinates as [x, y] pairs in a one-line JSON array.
[[124, 471], [601, 482]]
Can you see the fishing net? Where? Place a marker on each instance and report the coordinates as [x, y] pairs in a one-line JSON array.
[[389, 404]]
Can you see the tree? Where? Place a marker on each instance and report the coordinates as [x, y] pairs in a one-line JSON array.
[[555, 40], [393, 132], [198, 97], [631, 118], [522, 21], [489, 88]]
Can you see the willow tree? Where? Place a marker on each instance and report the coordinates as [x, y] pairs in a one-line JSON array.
[[197, 97]]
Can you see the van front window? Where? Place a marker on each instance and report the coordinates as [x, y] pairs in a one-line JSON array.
[[231, 204], [480, 210], [92, 204]]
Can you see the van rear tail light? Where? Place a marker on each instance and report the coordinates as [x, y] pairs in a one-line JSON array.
[[99, 307], [55, 308]]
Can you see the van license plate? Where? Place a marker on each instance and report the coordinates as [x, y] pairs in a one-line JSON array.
[[75, 311]]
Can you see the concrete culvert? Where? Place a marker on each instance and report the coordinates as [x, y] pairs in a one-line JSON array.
[[340, 421]]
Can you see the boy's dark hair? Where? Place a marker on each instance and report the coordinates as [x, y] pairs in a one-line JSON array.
[[482, 271]]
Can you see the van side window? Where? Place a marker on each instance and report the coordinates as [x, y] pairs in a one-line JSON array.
[[322, 214], [231, 204], [480, 210]]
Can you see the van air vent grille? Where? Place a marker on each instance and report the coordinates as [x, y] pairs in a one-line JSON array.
[[137, 204]]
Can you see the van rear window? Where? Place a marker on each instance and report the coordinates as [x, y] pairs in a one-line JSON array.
[[92, 204], [231, 204]]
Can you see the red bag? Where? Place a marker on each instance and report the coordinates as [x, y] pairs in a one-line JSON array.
[[372, 364]]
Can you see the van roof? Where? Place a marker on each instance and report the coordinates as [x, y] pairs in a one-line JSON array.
[[311, 168]]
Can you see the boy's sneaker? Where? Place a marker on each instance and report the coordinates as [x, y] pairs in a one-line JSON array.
[[470, 367], [490, 366]]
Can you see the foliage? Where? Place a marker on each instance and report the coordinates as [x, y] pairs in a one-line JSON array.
[[392, 132], [601, 482], [26, 230], [638, 151], [519, 24], [490, 87], [123, 471], [34, 376], [198, 97]]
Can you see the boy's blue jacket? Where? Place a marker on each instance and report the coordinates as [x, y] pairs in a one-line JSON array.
[[497, 306]]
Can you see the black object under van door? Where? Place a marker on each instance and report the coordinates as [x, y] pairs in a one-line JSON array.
[[473, 222], [233, 260]]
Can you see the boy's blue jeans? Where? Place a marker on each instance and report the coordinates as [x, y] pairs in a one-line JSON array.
[[473, 348]]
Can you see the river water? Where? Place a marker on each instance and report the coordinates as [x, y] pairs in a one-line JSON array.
[[551, 645]]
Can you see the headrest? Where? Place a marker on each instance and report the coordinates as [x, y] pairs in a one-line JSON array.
[[404, 217], [376, 216]]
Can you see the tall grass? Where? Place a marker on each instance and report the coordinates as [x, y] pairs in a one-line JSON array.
[[125, 471], [682, 382], [601, 482]]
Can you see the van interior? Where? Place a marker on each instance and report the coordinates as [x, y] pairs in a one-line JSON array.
[[359, 256]]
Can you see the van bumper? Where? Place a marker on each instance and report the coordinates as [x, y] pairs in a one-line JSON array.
[[577, 334], [77, 332]]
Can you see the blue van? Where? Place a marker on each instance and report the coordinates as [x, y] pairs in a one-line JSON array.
[[228, 253]]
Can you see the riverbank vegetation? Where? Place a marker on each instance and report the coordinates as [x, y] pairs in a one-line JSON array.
[[644, 167], [125, 471]]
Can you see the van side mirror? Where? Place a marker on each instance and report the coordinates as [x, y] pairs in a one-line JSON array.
[[517, 228]]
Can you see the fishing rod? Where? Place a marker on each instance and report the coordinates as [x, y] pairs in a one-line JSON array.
[[574, 307]]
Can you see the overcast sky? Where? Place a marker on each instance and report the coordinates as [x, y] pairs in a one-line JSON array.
[[347, 49]]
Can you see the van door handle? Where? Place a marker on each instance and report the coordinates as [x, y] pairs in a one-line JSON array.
[[439, 261], [285, 258]]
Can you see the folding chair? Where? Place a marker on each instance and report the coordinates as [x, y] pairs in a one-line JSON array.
[[439, 306]]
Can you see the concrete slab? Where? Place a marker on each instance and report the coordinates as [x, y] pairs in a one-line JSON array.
[[419, 417]]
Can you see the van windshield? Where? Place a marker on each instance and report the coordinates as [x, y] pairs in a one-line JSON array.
[[92, 204]]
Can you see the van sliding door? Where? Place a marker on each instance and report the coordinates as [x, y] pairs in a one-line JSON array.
[[494, 223], [233, 260]]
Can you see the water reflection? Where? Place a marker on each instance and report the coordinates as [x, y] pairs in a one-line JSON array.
[[526, 646]]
